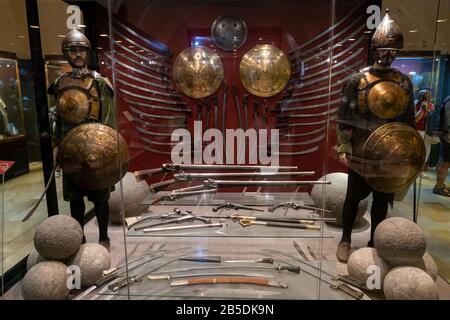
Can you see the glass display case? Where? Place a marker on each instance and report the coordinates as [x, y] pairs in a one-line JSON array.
[[230, 150]]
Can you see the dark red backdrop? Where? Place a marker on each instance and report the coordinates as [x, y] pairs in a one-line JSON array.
[[285, 24]]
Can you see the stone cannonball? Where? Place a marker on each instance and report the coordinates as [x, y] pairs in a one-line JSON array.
[[400, 241], [34, 258], [58, 237], [46, 281], [134, 194], [428, 265], [360, 263], [92, 259], [409, 283], [334, 194]]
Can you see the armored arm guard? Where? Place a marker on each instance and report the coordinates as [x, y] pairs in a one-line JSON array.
[[348, 103], [409, 115]]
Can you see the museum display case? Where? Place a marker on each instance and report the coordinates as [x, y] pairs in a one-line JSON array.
[[238, 151]]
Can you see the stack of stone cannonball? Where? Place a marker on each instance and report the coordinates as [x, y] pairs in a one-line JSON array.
[[332, 197], [59, 258], [134, 194], [399, 264]]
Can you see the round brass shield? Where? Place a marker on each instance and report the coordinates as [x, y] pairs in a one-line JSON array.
[[198, 72], [73, 106], [229, 32], [396, 153], [93, 156], [387, 100], [265, 71]]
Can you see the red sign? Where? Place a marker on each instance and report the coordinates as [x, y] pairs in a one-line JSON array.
[[5, 165]]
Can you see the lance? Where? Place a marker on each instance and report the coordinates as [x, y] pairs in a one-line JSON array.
[[175, 167]]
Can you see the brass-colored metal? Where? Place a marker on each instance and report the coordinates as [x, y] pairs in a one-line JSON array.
[[198, 72], [386, 97], [265, 71], [397, 153], [75, 38], [77, 99], [387, 35], [93, 156]]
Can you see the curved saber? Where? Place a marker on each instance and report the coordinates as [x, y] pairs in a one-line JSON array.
[[325, 31], [149, 59], [153, 92], [32, 211], [298, 153], [141, 64], [151, 99], [150, 106], [315, 140]]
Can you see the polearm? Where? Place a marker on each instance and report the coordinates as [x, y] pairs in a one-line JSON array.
[[201, 176], [211, 183], [174, 167]]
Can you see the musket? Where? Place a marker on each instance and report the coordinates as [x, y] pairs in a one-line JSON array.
[[245, 106], [131, 221], [135, 278], [220, 280], [216, 111], [175, 167], [237, 104], [188, 177], [155, 107], [224, 106], [183, 218], [235, 206], [211, 183], [293, 205], [172, 196]]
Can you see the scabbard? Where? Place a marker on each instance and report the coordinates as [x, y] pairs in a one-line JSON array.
[[208, 111], [245, 106], [292, 226], [228, 280], [237, 104], [196, 226], [224, 107], [255, 114], [216, 112]]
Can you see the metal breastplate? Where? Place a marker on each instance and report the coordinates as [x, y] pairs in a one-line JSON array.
[[385, 96], [77, 99]]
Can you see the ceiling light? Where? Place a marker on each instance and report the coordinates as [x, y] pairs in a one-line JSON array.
[[34, 27], [413, 31], [103, 35], [441, 20]]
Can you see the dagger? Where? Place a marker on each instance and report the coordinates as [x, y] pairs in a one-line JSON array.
[[222, 280]]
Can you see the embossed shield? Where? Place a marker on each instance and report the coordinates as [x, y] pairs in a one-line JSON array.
[[198, 72], [265, 71], [395, 154], [229, 32], [93, 156]]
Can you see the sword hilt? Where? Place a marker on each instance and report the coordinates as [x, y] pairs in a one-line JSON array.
[[294, 269]]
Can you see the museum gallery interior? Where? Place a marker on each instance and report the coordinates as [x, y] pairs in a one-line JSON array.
[[225, 149]]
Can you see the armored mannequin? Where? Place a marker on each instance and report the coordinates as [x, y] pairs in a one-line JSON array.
[[371, 98], [82, 96]]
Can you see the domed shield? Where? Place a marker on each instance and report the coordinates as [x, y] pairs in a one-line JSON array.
[[93, 156], [73, 105], [229, 32], [394, 156], [265, 71], [198, 72]]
